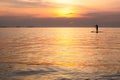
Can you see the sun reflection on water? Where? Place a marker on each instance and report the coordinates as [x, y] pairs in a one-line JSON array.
[[64, 52]]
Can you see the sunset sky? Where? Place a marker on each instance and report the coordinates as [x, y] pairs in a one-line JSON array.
[[59, 12]]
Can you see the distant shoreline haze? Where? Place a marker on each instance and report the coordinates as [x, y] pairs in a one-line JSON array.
[[57, 26]]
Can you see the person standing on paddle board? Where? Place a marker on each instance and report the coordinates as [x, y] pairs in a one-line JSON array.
[[96, 28]]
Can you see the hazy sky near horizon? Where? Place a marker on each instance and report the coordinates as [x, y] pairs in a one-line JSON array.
[[76, 10]]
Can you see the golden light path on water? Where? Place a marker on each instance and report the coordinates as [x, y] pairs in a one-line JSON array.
[[65, 51]]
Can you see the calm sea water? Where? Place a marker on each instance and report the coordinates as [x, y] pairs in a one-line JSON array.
[[59, 54]]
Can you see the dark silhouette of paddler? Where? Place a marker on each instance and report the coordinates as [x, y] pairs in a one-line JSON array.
[[96, 28]]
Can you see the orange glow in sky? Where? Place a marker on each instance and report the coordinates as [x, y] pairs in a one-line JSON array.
[[55, 8]]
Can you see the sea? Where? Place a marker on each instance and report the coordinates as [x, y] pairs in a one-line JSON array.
[[59, 53]]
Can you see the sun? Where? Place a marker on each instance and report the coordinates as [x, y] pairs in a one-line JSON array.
[[65, 12]]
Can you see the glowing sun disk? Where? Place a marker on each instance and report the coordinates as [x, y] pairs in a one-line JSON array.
[[66, 12]]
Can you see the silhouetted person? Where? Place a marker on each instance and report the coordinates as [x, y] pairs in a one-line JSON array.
[[96, 28]]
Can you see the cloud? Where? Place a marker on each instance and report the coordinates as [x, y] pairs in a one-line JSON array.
[[103, 19], [103, 15], [27, 4]]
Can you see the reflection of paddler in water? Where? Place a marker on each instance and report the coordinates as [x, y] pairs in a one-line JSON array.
[[96, 28]]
